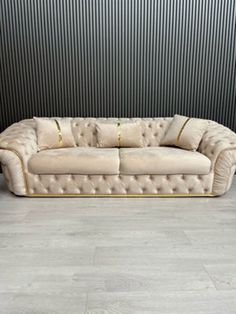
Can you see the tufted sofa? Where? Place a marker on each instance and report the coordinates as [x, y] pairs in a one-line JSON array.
[[117, 172]]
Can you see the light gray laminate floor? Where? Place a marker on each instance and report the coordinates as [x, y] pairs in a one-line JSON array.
[[117, 256]]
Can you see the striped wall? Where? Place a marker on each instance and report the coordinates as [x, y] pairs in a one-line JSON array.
[[118, 58]]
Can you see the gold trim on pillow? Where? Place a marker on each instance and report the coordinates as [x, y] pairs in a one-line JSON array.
[[181, 130], [59, 133], [119, 134]]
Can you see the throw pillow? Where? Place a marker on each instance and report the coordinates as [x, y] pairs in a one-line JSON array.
[[54, 133], [120, 134], [185, 132]]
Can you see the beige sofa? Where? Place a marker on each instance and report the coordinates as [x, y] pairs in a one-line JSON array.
[[86, 170]]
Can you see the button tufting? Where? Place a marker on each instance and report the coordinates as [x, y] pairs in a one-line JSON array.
[[212, 143], [52, 178]]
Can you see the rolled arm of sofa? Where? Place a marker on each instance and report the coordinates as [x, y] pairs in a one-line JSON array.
[[17, 144], [219, 145]]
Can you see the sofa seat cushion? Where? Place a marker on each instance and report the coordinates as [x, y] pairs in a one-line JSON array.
[[77, 160], [162, 160]]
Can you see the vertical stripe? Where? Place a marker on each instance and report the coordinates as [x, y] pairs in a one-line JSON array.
[[118, 58]]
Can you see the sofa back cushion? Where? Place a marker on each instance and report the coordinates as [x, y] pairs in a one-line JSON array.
[[153, 129]]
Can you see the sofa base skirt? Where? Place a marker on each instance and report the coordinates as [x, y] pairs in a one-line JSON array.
[[119, 195], [117, 185]]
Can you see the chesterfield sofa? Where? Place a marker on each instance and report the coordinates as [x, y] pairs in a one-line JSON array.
[[86, 170]]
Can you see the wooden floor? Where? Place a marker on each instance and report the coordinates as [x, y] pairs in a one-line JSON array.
[[117, 256]]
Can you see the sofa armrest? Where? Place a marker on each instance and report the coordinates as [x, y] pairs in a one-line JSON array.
[[219, 145], [17, 144], [224, 171], [20, 137], [217, 139]]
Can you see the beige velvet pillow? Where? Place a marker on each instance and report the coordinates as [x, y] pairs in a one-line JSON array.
[[119, 134], [54, 133], [185, 132]]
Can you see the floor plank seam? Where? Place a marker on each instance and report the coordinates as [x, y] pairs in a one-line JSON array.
[[86, 304]]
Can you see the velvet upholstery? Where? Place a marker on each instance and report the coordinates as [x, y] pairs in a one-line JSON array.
[[18, 143], [54, 133], [119, 134], [185, 132], [77, 160], [162, 160]]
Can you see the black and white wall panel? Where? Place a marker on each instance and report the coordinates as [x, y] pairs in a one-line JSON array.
[[123, 58]]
